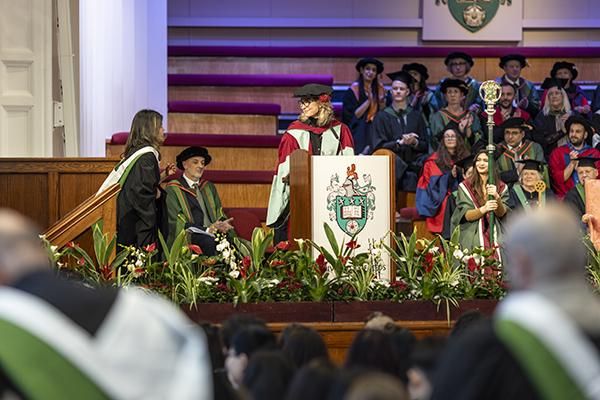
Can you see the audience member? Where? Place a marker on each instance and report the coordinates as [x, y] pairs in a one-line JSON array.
[[372, 349], [459, 64], [505, 110], [235, 324], [194, 204], [364, 98], [515, 148], [403, 130], [378, 320], [222, 389], [313, 381], [550, 131], [526, 96], [473, 206], [545, 337], [466, 321], [268, 375], [563, 160], [315, 131], [424, 361], [376, 386], [245, 343], [596, 100], [439, 178], [421, 97], [469, 126], [66, 340], [302, 344], [526, 194], [403, 343]]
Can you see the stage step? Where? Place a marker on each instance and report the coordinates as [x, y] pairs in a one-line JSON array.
[[223, 117]]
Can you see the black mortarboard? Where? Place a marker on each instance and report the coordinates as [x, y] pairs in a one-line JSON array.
[[516, 122], [459, 54], [564, 65], [194, 151], [533, 165], [550, 83], [312, 90], [466, 162], [587, 162], [420, 68], [518, 57], [401, 76], [369, 60], [578, 119], [449, 126], [457, 83]]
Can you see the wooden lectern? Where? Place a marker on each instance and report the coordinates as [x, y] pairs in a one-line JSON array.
[[592, 207], [354, 195]]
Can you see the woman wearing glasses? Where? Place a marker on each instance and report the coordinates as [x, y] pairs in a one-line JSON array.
[[317, 131]]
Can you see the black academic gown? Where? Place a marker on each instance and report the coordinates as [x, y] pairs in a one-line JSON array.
[[477, 365], [532, 197], [574, 200], [206, 243], [139, 213], [388, 127]]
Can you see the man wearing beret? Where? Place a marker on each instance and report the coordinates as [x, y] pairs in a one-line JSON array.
[[194, 202], [515, 148], [563, 160], [317, 131], [459, 65], [526, 96]]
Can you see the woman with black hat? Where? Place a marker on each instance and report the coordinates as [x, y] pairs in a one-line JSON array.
[[403, 130], [531, 191], [364, 98], [439, 178], [566, 73], [526, 95], [454, 91], [421, 98], [195, 201], [459, 65], [316, 131]]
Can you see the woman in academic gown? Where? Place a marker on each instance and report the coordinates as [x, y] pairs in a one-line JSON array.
[[140, 202], [364, 98], [473, 209], [440, 177], [524, 194]]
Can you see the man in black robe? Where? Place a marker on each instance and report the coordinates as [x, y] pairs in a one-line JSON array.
[[550, 314], [586, 169], [402, 129]]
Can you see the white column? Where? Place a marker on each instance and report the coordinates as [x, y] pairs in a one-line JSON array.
[[123, 64]]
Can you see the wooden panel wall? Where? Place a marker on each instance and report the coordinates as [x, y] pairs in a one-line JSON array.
[[223, 124], [45, 189]]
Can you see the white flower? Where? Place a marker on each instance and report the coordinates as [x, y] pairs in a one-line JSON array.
[[226, 254], [222, 246], [208, 280], [194, 256], [458, 254], [53, 248], [233, 265], [139, 263], [130, 267], [234, 274], [434, 250], [300, 242], [454, 283]]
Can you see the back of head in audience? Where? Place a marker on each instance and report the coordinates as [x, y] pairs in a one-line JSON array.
[[376, 386], [403, 343], [21, 250], [313, 381], [378, 320], [268, 375], [234, 324], [245, 343], [301, 344], [424, 360], [465, 321], [543, 247], [372, 349]]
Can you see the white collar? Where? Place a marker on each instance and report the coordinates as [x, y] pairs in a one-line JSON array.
[[190, 182]]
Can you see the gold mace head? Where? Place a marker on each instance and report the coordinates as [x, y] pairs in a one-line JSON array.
[[490, 92], [540, 187]]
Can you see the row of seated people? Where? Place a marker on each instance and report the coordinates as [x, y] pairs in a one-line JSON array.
[[367, 96], [571, 160]]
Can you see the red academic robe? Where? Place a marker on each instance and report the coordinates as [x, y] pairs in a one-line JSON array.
[[558, 161]]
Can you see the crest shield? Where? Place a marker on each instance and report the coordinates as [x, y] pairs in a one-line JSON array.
[[351, 213], [473, 14]]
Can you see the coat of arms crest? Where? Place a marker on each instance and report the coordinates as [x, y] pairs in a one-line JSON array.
[[473, 14], [351, 203]]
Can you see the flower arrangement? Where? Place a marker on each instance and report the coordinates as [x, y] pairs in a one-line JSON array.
[[243, 271]]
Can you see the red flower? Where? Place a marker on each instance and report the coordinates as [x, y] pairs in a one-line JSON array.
[[472, 264], [400, 286], [487, 271], [195, 248], [428, 262], [246, 262], [344, 260], [283, 245], [324, 98], [107, 273], [81, 262], [149, 248], [321, 264], [277, 263], [352, 245], [71, 245]]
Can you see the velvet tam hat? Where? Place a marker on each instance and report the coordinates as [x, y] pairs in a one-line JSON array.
[[194, 151]]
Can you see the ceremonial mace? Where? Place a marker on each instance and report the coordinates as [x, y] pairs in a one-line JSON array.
[[490, 93]]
